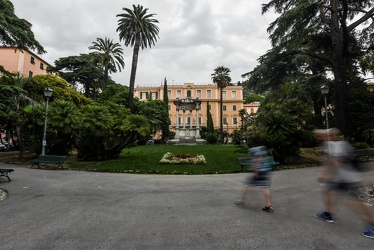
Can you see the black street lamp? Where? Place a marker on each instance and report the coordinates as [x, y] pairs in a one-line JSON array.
[[325, 91], [47, 93]]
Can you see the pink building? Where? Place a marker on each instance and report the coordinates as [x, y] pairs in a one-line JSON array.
[[24, 62]]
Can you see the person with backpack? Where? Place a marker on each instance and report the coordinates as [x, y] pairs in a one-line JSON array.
[[339, 177], [262, 164]]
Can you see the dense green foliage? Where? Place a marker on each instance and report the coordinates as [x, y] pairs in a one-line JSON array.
[[15, 31], [80, 70], [97, 130], [315, 38], [282, 122]]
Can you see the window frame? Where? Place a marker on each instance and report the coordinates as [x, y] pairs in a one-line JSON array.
[[233, 94]]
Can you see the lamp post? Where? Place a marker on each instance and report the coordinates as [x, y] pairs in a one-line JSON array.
[[325, 91], [47, 93]]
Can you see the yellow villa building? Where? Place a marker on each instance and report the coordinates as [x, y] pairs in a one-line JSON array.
[[233, 101]]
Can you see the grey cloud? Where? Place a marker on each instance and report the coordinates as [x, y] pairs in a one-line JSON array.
[[195, 35]]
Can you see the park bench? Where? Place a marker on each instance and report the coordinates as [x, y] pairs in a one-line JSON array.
[[365, 153], [244, 163], [49, 159], [5, 171]]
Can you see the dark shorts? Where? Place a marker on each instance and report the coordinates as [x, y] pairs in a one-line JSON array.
[[263, 181], [341, 186]]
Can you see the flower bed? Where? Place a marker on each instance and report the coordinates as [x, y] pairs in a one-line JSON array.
[[170, 158]]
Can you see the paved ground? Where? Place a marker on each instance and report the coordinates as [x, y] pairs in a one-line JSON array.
[[62, 209]]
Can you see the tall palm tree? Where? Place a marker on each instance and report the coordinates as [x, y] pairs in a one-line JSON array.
[[109, 56], [221, 77], [242, 113], [138, 29]]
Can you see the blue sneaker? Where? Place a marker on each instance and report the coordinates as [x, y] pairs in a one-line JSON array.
[[370, 233], [324, 216]]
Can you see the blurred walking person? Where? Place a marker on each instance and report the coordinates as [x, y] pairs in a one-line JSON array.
[[261, 166], [339, 177]]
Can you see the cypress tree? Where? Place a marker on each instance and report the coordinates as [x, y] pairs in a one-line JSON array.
[[165, 125], [209, 122]]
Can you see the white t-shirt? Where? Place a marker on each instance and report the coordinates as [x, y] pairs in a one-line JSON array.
[[342, 153]]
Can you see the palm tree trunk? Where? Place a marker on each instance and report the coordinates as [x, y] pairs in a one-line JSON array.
[[106, 69], [133, 73], [220, 120]]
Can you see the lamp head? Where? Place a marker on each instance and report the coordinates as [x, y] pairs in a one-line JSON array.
[[324, 89], [48, 92]]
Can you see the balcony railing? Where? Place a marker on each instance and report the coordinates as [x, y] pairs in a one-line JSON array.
[[187, 125]]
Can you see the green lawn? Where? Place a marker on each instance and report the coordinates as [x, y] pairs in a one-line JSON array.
[[145, 159]]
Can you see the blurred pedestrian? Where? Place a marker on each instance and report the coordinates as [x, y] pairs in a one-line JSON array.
[[261, 166], [339, 177]]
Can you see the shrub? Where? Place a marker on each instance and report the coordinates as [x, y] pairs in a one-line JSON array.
[[361, 145], [211, 138]]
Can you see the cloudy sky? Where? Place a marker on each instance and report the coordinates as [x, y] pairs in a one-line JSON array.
[[196, 36]]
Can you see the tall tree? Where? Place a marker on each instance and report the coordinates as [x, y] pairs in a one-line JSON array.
[[116, 93], [242, 113], [78, 70], [12, 99], [137, 28], [109, 56], [165, 125], [15, 31], [221, 77], [209, 120], [304, 25]]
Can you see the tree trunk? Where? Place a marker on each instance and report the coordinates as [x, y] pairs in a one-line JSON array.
[[20, 142], [106, 70], [220, 120], [339, 69], [133, 73]]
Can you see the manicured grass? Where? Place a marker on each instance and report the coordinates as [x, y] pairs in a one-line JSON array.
[[145, 159]]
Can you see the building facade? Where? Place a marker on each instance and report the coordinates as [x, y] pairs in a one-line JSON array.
[[25, 62], [206, 93], [251, 108]]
